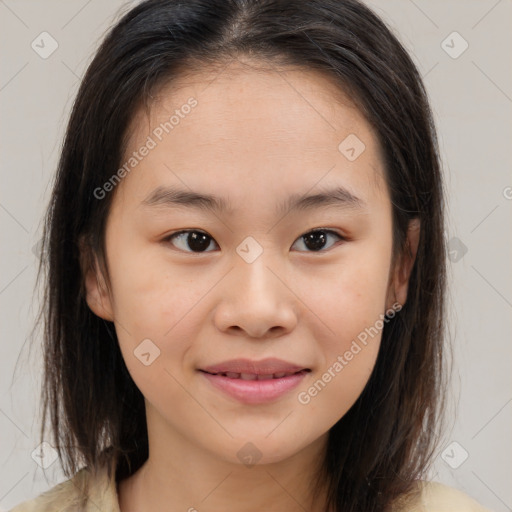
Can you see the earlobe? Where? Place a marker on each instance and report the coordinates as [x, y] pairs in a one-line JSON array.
[[97, 296], [406, 262]]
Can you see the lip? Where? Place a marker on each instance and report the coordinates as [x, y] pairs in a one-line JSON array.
[[255, 391], [267, 366]]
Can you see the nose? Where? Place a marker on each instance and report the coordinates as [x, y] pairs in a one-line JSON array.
[[255, 302]]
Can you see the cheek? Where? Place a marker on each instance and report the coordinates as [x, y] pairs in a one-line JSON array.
[[156, 318], [152, 295], [156, 308], [348, 355], [345, 297], [350, 306], [330, 395]]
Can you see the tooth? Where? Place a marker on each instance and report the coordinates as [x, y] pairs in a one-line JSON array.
[[265, 377], [232, 375], [248, 376], [279, 375]]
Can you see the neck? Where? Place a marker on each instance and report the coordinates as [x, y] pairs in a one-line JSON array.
[[179, 476]]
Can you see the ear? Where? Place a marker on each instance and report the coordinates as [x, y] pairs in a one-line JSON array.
[[97, 295], [400, 280]]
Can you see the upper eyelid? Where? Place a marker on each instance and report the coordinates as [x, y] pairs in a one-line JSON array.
[[192, 230]]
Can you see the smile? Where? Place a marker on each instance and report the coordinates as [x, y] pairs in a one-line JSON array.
[[251, 388], [254, 376]]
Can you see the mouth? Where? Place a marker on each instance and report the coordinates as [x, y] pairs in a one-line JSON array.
[[256, 376], [254, 388]]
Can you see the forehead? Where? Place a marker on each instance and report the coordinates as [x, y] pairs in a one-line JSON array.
[[255, 126]]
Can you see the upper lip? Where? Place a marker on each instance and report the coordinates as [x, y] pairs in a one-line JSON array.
[[264, 367]]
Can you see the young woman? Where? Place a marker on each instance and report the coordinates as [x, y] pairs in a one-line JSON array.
[[246, 268]]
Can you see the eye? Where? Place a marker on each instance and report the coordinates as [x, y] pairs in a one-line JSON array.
[[197, 241], [316, 240]]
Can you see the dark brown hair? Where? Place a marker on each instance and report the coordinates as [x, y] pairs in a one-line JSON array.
[[387, 439]]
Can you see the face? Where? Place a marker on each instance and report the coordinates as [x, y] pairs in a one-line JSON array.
[[254, 270]]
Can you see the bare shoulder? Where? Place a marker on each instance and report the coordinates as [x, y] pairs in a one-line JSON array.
[[438, 497]]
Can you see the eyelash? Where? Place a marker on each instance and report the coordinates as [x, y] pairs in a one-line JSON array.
[[317, 230]]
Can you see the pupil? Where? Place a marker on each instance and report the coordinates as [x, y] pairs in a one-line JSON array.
[[315, 241], [198, 241]]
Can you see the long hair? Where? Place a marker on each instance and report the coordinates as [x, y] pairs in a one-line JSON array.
[[387, 438]]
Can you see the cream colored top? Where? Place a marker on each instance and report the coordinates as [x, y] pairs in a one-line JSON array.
[[433, 497]]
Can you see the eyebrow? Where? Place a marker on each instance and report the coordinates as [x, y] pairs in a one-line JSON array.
[[172, 197]]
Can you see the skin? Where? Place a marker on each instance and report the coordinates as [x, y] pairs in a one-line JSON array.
[[256, 137]]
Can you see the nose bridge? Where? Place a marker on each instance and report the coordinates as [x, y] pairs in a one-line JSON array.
[[253, 278]]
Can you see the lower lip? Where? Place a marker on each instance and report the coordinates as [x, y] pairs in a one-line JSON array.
[[255, 391]]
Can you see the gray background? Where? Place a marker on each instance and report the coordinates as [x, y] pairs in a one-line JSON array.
[[471, 94]]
